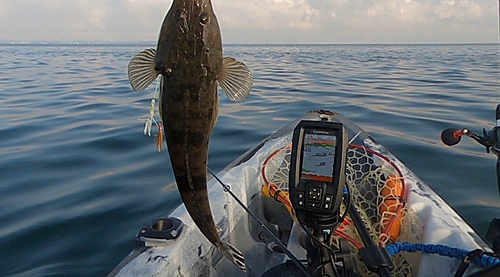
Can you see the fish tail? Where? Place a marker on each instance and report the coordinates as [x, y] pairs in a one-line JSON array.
[[234, 255]]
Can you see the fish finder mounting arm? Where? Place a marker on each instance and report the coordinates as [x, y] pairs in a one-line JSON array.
[[316, 186]]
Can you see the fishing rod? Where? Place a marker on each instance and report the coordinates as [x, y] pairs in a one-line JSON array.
[[296, 262], [317, 184], [314, 246], [490, 140]]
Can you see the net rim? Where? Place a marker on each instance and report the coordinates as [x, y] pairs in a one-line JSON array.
[[402, 198], [263, 170], [357, 146]]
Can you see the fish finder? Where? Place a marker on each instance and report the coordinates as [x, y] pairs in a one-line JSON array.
[[317, 172]]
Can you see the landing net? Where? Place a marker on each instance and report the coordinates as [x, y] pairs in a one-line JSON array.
[[378, 191]]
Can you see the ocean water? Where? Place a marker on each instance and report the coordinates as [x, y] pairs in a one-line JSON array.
[[78, 179]]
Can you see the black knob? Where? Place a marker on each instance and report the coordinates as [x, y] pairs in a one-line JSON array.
[[451, 136]]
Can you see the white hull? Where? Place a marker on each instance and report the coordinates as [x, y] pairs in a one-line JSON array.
[[192, 254]]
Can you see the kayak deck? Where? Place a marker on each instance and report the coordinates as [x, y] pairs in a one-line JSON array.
[[427, 218]]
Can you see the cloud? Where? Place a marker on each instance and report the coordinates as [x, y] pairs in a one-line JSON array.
[[258, 21], [360, 21], [266, 14], [66, 20]]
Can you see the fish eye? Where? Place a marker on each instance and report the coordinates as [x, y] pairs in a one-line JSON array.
[[204, 18]]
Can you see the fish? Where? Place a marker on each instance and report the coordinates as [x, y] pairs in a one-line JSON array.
[[189, 60]]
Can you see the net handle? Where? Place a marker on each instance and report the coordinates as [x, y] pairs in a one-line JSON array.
[[384, 236]]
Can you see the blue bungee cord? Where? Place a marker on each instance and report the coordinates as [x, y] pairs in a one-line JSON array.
[[442, 250]]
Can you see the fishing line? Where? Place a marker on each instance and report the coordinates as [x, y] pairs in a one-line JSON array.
[[262, 225]]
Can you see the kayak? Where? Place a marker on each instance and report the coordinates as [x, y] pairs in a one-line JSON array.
[[421, 232]]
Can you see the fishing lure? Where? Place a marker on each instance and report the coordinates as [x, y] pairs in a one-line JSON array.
[[151, 119]]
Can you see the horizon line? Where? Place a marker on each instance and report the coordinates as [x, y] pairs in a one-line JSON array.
[[55, 42]]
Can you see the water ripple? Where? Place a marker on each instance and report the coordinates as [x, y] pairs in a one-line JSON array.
[[79, 178]]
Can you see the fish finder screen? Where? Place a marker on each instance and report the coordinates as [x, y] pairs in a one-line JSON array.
[[318, 155]]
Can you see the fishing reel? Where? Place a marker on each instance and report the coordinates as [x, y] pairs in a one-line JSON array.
[[490, 139]]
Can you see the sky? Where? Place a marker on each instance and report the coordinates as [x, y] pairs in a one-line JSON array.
[[258, 21]]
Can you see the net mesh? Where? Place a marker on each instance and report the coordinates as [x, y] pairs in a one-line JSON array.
[[377, 190]]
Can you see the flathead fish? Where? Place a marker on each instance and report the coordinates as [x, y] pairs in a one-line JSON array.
[[189, 59]]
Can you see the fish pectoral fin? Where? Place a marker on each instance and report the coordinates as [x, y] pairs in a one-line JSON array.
[[234, 255], [235, 79], [141, 70]]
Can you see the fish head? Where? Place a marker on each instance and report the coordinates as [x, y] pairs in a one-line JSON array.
[[189, 33]]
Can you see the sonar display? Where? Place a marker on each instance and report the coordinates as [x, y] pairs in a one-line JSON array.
[[319, 157]]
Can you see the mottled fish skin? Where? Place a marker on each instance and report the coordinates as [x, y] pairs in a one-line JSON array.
[[189, 59], [189, 56]]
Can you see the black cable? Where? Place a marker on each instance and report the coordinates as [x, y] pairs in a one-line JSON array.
[[332, 230], [331, 257], [321, 265], [329, 261], [347, 205], [315, 239]]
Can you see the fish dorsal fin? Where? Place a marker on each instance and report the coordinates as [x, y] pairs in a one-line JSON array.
[[235, 79], [141, 70]]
